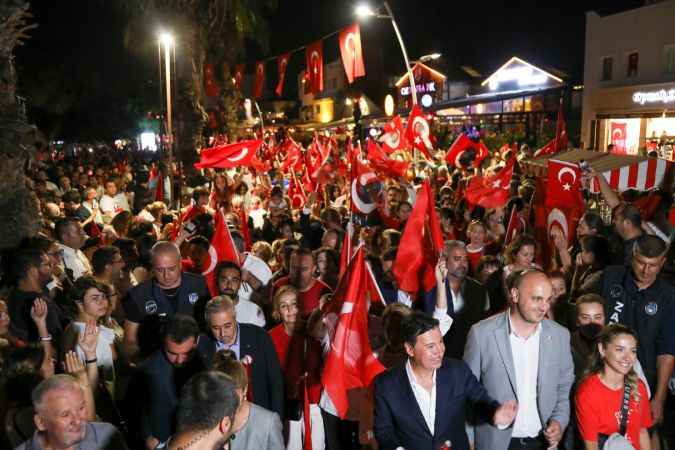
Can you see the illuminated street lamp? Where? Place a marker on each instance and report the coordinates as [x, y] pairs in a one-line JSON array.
[[364, 11], [167, 40]]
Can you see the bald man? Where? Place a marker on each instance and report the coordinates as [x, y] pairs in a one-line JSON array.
[[531, 352]]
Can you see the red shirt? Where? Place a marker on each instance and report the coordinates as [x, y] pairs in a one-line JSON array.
[[298, 354], [310, 298], [474, 257], [598, 411]]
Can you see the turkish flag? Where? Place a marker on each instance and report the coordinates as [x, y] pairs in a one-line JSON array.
[[564, 185], [282, 64], [560, 141], [381, 162], [347, 247], [515, 226], [314, 61], [296, 193], [221, 249], [462, 146], [316, 158], [618, 137], [350, 50], [491, 191], [238, 75], [294, 158], [420, 245], [393, 137], [189, 214], [363, 198], [350, 362], [259, 82], [418, 132], [229, 155]]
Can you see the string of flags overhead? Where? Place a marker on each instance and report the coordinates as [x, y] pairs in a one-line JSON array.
[[351, 54]]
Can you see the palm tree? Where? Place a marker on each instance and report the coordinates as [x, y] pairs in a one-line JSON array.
[[213, 30]]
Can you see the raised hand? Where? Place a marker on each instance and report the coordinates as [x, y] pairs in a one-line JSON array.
[[441, 270], [38, 312], [88, 339], [73, 365]]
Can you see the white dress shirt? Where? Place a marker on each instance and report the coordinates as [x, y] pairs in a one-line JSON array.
[[425, 400], [526, 364], [76, 261]]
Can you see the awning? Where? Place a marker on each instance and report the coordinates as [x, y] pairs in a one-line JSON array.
[[622, 172]]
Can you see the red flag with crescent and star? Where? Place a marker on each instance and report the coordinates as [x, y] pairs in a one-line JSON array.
[[418, 132], [222, 248], [492, 191], [259, 83], [350, 362], [282, 64], [393, 137], [350, 50], [314, 61], [238, 75], [564, 185], [462, 144], [381, 163], [228, 156]]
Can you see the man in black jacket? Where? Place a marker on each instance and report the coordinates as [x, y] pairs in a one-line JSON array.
[[467, 299], [156, 386], [251, 344]]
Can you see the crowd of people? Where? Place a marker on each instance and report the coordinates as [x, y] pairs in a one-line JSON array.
[[112, 337]]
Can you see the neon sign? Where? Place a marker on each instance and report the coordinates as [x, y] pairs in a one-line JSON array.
[[660, 96], [423, 87]]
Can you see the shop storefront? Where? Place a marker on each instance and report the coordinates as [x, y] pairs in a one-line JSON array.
[[518, 97], [634, 119]]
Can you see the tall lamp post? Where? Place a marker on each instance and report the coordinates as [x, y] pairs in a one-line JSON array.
[[366, 11], [166, 40]]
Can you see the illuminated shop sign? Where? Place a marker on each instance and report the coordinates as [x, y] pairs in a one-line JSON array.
[[660, 96], [422, 88]]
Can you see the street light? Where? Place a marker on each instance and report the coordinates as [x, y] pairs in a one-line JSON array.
[[364, 10], [167, 41], [430, 57]]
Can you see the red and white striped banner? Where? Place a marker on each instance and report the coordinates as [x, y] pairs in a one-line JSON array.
[[643, 176]]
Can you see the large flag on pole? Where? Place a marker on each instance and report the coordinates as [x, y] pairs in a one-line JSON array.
[[221, 249], [418, 132], [350, 362], [350, 50], [229, 155]]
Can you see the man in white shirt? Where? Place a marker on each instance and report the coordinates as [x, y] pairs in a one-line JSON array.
[[71, 239], [228, 276], [113, 202], [521, 354], [422, 404]]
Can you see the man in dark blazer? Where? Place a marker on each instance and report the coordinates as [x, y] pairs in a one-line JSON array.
[[156, 385], [421, 404], [251, 344], [467, 299]]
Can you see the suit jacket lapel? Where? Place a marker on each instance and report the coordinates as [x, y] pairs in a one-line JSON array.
[[443, 386], [544, 350], [501, 334], [409, 399]]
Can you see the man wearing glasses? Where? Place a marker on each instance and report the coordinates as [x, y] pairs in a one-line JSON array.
[[170, 291]]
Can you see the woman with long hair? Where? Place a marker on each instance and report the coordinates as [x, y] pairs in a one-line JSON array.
[[592, 258], [609, 376], [327, 265], [300, 357]]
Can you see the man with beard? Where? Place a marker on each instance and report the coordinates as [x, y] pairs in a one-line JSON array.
[[107, 264], [301, 276], [250, 344], [161, 377], [59, 403], [387, 282], [228, 275], [521, 354], [33, 271], [466, 298], [205, 413]]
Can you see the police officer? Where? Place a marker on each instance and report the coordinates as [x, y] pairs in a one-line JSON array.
[[639, 297], [170, 291]]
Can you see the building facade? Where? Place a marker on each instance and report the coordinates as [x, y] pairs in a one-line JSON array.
[[629, 80]]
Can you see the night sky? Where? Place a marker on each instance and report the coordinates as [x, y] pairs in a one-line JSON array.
[[76, 61]]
